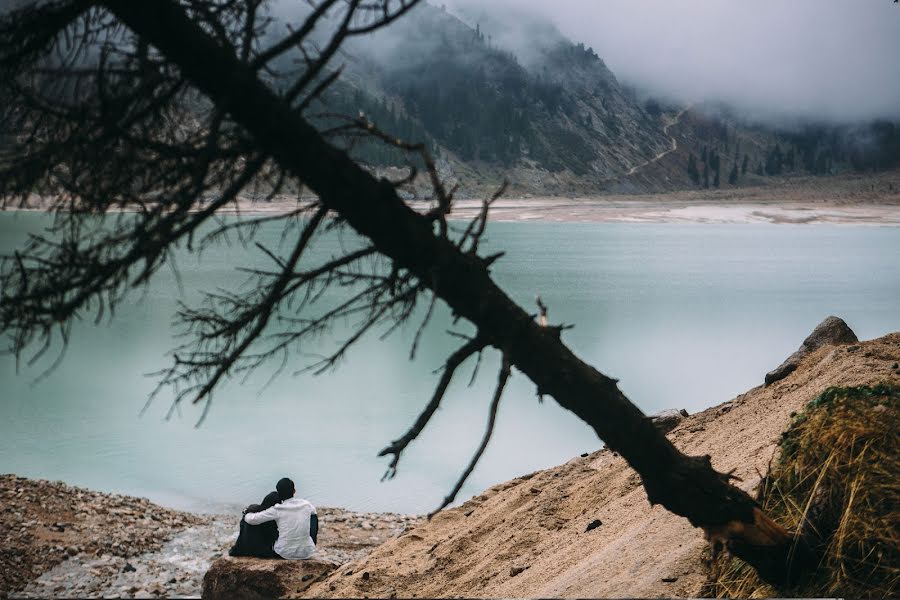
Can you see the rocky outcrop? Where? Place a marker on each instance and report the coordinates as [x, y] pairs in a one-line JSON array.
[[255, 578], [668, 420], [831, 331]]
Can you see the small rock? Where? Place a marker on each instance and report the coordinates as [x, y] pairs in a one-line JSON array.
[[306, 577], [585, 455], [365, 576], [593, 525], [516, 569], [896, 366], [536, 490], [667, 420], [669, 579], [128, 568], [348, 573], [468, 512]]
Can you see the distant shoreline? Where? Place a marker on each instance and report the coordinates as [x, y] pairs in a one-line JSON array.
[[840, 200]]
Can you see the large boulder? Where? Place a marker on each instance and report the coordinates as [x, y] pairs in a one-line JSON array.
[[256, 578], [831, 331]]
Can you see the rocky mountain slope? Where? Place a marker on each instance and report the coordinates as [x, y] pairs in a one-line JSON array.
[[585, 528], [509, 97], [552, 121]]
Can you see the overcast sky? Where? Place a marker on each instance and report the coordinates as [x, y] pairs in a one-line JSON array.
[[838, 59]]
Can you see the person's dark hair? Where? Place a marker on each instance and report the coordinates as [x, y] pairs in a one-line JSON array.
[[285, 488], [271, 499]]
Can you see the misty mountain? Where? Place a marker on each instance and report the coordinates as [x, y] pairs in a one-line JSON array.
[[558, 115], [509, 96]]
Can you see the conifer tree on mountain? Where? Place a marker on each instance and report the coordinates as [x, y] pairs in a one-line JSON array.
[[175, 118], [733, 175], [745, 164], [692, 170]]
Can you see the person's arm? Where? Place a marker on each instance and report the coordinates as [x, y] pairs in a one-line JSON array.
[[314, 527], [260, 517]]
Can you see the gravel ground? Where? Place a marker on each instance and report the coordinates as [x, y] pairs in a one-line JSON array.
[[62, 541]]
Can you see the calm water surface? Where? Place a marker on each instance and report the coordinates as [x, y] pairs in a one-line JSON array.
[[685, 316]]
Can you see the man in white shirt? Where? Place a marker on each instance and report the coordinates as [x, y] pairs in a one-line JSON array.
[[298, 523]]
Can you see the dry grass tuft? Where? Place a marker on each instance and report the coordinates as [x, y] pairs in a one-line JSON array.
[[837, 481]]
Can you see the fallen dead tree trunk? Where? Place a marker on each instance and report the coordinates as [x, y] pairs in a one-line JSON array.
[[687, 486]]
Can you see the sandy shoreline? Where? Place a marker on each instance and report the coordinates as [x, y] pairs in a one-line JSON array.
[[684, 211], [840, 200]]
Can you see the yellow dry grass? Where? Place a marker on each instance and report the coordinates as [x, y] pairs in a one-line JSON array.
[[839, 472]]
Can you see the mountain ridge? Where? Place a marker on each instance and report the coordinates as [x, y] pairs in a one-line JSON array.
[[559, 122]]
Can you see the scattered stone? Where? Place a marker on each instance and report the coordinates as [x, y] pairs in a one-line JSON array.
[[832, 330], [536, 490], [669, 579], [585, 455], [365, 576], [468, 512], [593, 525], [144, 549], [516, 569]]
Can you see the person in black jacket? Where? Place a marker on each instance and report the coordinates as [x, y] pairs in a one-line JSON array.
[[257, 540]]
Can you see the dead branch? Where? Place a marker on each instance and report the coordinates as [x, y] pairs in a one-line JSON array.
[[473, 346], [488, 432]]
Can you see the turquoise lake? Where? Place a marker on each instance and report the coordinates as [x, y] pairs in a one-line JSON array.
[[686, 316]]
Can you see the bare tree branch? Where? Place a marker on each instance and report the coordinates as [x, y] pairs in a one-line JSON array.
[[488, 432], [175, 124], [473, 346]]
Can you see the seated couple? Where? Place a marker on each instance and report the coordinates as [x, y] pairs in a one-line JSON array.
[[281, 527]]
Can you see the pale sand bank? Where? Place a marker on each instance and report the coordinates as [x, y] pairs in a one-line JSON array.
[[681, 211], [843, 200]]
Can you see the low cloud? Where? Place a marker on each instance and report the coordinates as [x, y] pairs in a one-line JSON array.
[[837, 60]]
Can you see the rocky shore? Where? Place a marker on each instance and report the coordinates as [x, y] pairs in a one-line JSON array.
[[64, 541]]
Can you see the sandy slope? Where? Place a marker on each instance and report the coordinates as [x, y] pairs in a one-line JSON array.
[[538, 521]]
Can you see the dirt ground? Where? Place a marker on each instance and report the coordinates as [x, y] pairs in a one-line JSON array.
[[528, 537]]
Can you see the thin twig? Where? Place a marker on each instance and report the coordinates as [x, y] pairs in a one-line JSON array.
[[492, 418], [475, 345]]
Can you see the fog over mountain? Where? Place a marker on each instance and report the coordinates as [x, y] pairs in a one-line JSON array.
[[834, 60]]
